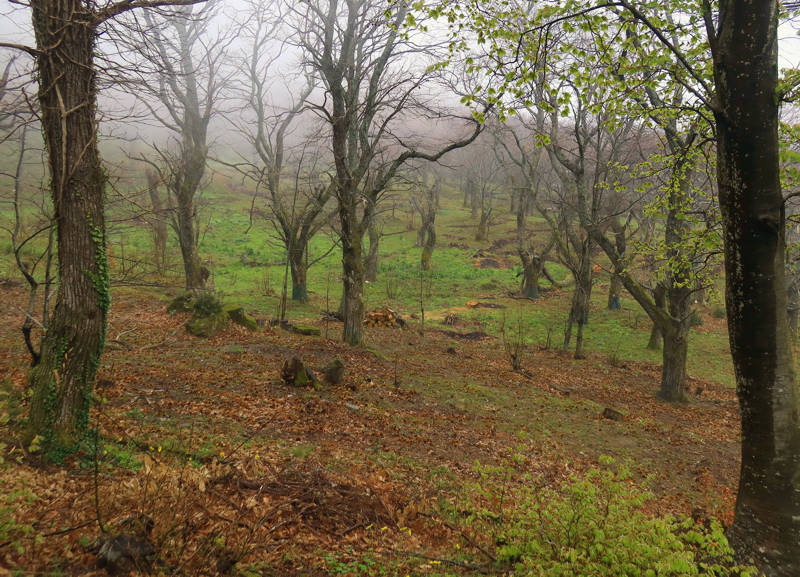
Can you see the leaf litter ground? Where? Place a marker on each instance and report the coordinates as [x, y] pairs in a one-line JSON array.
[[240, 473]]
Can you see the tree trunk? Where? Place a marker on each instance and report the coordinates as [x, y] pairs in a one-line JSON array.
[[766, 525], [531, 271], [428, 232], [299, 270], [673, 371], [158, 221], [62, 383], [482, 233], [371, 265], [353, 286], [656, 334], [532, 267], [614, 290], [193, 269]]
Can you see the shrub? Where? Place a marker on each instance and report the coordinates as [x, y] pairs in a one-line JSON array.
[[718, 313], [207, 304], [591, 526]]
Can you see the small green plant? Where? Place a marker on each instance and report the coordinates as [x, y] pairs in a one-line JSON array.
[[592, 525], [302, 451], [13, 533], [695, 320], [207, 304], [718, 313]]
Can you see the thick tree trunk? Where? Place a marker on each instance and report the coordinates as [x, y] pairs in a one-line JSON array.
[[63, 381], [158, 221], [766, 525], [531, 271], [581, 297], [482, 234], [428, 236], [353, 288], [673, 371]]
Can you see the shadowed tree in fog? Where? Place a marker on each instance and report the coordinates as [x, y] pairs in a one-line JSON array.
[[180, 81], [364, 65], [296, 203]]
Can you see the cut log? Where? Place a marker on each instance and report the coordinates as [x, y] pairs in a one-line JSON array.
[[384, 317]]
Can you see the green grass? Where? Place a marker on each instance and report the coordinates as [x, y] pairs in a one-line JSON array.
[[248, 268]]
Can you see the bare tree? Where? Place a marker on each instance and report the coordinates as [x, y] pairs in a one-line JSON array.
[[361, 61], [180, 79], [158, 219], [518, 142], [297, 209], [425, 204]]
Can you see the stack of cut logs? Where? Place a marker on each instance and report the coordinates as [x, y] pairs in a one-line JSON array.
[[384, 317]]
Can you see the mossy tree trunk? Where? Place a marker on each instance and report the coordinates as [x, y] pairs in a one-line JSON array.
[[62, 383], [766, 526]]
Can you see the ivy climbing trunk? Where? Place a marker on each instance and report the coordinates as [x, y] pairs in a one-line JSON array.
[[766, 525], [62, 383]]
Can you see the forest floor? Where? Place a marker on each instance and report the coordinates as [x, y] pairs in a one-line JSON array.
[[244, 475]]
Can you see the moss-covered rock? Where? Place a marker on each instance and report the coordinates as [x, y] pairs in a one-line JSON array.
[[207, 326], [183, 303], [307, 330], [240, 317]]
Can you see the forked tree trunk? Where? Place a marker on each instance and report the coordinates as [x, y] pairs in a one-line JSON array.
[[62, 383], [766, 526]]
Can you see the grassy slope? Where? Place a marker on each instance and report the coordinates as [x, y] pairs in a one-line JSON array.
[[407, 424]]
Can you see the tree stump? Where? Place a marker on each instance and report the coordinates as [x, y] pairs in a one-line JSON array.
[[334, 372], [295, 373]]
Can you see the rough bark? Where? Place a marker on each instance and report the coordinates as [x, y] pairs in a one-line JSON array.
[[766, 525], [63, 381]]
